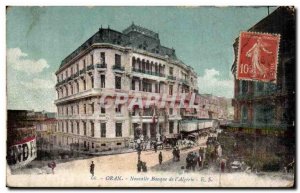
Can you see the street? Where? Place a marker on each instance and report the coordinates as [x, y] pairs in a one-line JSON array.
[[121, 170]]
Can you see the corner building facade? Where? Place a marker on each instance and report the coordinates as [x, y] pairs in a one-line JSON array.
[[132, 62]]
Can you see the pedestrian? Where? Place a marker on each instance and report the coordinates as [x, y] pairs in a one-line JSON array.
[[52, 165], [155, 147], [199, 161], [160, 158], [222, 166], [144, 167], [92, 169], [182, 170], [139, 166], [178, 154], [174, 153]]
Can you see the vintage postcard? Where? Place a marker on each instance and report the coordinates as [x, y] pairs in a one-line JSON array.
[[167, 97]]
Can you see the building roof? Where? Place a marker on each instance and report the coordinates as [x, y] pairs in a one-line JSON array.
[[134, 37]]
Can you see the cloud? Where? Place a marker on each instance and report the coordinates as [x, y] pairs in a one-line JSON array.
[[38, 83], [33, 89], [18, 61], [211, 83]]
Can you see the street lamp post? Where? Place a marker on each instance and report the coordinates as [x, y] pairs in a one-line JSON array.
[[138, 141]]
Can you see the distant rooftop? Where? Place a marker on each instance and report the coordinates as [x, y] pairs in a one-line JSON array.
[[142, 30], [134, 36]]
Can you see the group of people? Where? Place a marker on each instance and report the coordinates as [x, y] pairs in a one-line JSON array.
[[141, 166], [176, 154], [192, 160]]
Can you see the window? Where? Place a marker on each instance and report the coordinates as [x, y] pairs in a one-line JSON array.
[[78, 109], [171, 111], [264, 114], [92, 59], [170, 89], [84, 65], [77, 127], [259, 86], [67, 92], [92, 81], [171, 127], [157, 88], [244, 86], [92, 129], [171, 71], [118, 82], [244, 115], [84, 128], [118, 108], [133, 84], [66, 73], [67, 124], [102, 110], [117, 60], [102, 57], [103, 129], [72, 128], [84, 85], [67, 108], [77, 86], [72, 110], [77, 67], [84, 108], [102, 77], [118, 129], [71, 89], [92, 108]]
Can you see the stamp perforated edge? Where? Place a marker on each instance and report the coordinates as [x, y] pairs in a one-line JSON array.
[[239, 50]]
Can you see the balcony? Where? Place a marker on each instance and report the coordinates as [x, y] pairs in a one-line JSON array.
[[148, 72], [90, 67], [170, 77], [82, 71], [118, 67], [184, 81], [103, 65], [61, 82]]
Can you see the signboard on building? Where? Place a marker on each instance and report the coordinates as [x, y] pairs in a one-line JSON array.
[[21, 153], [258, 56]]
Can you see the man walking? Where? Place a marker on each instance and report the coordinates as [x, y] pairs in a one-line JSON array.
[[92, 169], [160, 158]]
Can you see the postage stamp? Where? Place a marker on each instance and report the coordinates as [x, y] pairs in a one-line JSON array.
[[258, 56]]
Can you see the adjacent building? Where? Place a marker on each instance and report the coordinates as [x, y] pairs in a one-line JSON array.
[[266, 111], [132, 62]]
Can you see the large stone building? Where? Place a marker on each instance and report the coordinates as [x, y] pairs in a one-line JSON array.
[[132, 62], [265, 112]]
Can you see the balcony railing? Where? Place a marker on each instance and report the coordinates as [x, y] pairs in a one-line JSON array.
[[90, 67], [170, 77], [184, 81], [103, 65], [82, 71], [118, 67], [148, 72]]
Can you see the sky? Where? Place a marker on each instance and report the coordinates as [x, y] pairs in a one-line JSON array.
[[39, 38]]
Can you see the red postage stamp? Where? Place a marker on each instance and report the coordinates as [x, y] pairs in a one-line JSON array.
[[258, 56]]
